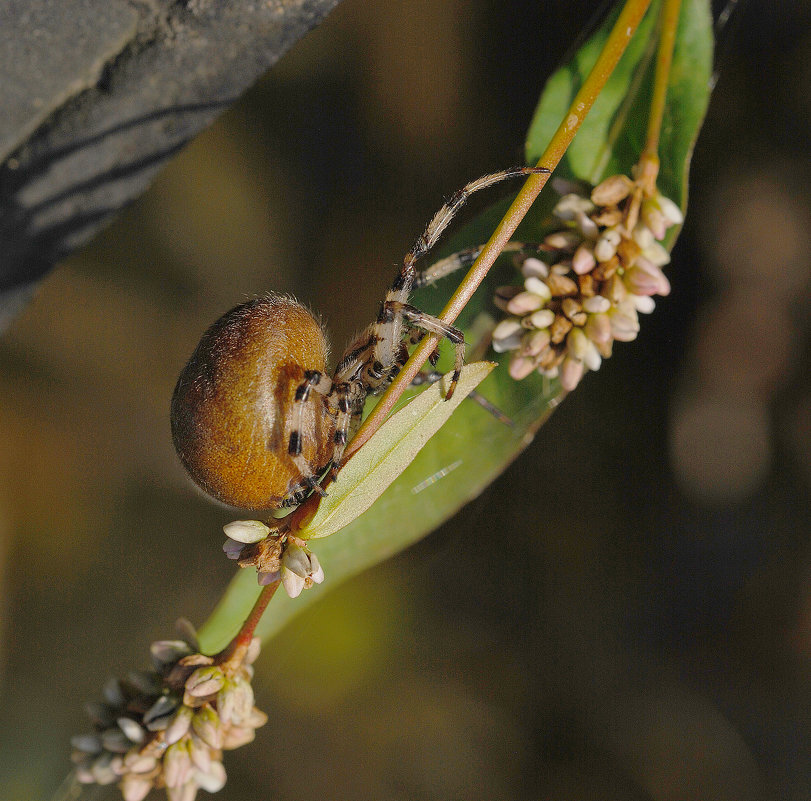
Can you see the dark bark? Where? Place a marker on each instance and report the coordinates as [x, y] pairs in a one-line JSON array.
[[97, 95]]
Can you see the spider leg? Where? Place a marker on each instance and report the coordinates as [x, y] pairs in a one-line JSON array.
[[449, 210], [461, 260], [314, 381], [414, 318], [432, 376], [385, 336]]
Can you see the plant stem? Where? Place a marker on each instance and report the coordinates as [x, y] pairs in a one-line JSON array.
[[239, 645], [615, 45], [649, 161]]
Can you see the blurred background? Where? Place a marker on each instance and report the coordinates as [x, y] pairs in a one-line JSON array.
[[654, 642]]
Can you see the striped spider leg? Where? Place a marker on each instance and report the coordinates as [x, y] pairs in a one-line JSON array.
[[374, 357]]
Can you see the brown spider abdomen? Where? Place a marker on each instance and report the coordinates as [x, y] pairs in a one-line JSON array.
[[234, 406]]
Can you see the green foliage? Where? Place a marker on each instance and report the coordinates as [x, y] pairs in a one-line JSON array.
[[613, 134], [474, 447], [396, 444]]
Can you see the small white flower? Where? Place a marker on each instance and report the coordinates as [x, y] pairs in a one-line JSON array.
[[246, 531], [534, 267], [571, 206], [596, 304], [583, 260], [542, 318], [644, 304], [592, 358], [300, 570], [672, 213], [607, 244], [537, 287], [571, 371], [577, 343], [642, 235], [657, 254], [520, 366], [525, 302], [213, 780]]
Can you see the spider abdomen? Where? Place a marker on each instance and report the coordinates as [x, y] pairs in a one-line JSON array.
[[234, 408]]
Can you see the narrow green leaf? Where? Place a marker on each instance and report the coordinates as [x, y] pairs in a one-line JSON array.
[[369, 473]]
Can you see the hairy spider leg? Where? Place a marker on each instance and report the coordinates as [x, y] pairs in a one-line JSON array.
[[387, 333], [347, 402], [376, 354], [321, 384], [432, 376], [461, 260]]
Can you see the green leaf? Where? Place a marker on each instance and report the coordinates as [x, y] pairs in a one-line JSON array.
[[475, 446], [369, 473], [613, 134]]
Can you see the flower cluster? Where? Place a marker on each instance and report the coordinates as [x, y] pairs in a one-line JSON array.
[[599, 272], [250, 544], [168, 727]]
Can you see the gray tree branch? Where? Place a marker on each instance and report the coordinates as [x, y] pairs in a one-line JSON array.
[[96, 95]]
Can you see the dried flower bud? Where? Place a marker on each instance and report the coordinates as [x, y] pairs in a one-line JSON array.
[[559, 328], [562, 286], [573, 311], [612, 190], [525, 302]]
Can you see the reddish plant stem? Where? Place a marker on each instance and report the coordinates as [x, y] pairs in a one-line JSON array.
[[236, 649]]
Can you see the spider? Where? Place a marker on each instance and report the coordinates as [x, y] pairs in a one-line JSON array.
[[256, 419]]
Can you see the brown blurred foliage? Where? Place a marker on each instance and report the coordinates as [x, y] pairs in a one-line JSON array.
[[644, 629]]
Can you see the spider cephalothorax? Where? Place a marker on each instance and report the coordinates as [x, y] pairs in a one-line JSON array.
[[256, 420]]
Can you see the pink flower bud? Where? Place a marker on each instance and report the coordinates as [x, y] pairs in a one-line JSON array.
[[520, 367], [571, 371]]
